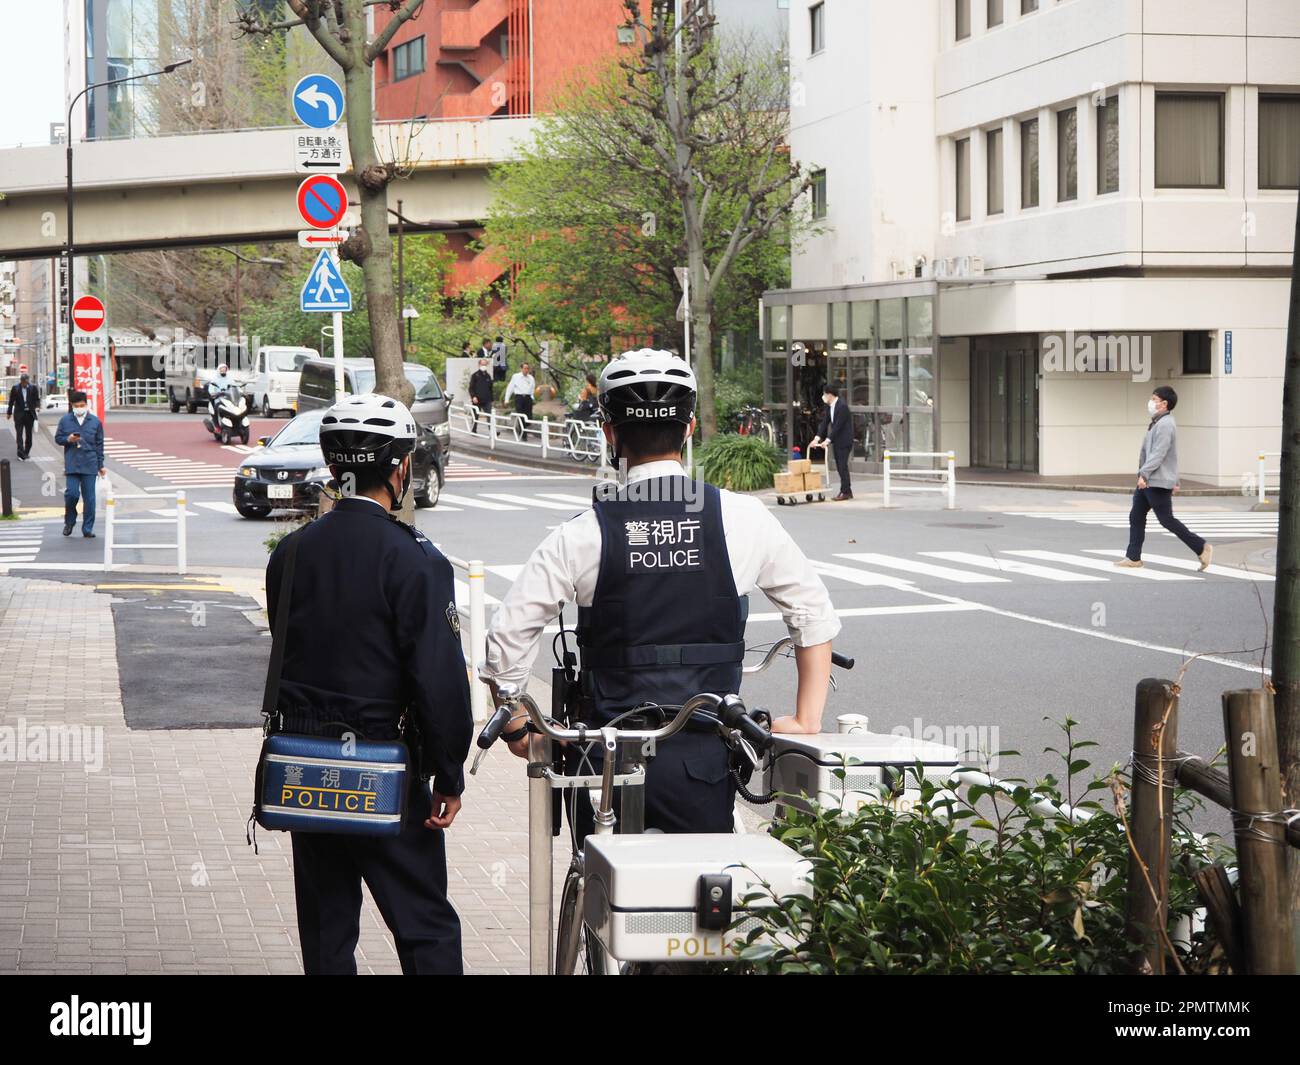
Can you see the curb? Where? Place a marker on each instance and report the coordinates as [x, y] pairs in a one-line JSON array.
[[532, 461]]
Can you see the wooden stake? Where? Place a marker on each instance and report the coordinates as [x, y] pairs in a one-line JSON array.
[[1155, 739]]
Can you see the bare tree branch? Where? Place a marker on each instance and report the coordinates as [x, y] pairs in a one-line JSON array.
[[404, 14]]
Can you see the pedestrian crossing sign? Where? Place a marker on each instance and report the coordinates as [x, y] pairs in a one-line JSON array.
[[324, 289]]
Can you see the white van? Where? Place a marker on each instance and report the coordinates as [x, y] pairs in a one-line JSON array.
[[190, 364], [276, 371]]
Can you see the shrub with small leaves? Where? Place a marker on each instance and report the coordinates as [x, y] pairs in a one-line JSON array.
[[977, 883]]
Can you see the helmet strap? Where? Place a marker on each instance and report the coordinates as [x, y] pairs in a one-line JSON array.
[[406, 485]]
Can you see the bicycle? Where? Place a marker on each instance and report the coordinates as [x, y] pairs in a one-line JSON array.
[[580, 442], [593, 929], [754, 421]]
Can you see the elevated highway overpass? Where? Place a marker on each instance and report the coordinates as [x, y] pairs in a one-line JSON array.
[[229, 186]]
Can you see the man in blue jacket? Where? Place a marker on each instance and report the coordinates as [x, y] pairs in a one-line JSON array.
[[81, 435]]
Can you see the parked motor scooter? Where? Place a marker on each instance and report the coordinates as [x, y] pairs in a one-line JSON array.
[[228, 416]]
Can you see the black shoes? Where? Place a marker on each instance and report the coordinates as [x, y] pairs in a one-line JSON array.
[[88, 536], [67, 530]]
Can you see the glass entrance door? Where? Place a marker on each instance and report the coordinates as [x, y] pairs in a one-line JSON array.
[[1004, 403]]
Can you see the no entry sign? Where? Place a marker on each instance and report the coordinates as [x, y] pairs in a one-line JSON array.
[[322, 201], [88, 314]]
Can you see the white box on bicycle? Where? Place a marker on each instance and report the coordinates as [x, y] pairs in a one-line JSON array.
[[848, 770], [642, 895]]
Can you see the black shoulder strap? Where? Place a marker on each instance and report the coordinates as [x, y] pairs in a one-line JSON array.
[[271, 694]]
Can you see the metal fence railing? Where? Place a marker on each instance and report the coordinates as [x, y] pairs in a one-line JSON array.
[[113, 521], [948, 473], [475, 612], [578, 439], [139, 392]]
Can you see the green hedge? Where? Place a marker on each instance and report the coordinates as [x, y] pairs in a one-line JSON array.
[[741, 463]]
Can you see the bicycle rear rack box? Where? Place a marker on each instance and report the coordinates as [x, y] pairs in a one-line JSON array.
[[643, 893], [848, 770]]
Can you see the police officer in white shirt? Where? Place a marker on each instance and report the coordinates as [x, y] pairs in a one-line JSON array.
[[659, 569]]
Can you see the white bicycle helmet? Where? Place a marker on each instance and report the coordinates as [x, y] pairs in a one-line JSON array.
[[647, 386], [367, 432]]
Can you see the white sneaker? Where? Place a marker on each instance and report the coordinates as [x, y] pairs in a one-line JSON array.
[[1206, 555]]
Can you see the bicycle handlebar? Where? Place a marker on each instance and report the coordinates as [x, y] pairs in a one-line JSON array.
[[843, 661]]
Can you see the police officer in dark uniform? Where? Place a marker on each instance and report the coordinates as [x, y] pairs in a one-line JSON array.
[[660, 568], [373, 649]]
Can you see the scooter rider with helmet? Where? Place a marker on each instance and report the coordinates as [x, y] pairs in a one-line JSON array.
[[373, 648], [659, 568]]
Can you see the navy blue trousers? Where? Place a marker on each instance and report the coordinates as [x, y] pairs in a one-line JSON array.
[[1161, 500]]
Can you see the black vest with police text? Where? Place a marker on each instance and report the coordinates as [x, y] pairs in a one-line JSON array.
[[665, 622]]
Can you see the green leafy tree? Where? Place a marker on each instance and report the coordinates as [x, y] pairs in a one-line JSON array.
[[655, 163]]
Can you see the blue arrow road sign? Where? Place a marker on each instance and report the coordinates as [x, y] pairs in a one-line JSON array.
[[318, 101], [324, 289]]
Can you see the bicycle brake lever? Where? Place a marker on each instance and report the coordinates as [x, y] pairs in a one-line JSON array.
[[482, 753]]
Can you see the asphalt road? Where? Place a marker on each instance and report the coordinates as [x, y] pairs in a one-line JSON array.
[[988, 624]]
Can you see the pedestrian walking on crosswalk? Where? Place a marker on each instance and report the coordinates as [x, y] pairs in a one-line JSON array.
[[1157, 482]]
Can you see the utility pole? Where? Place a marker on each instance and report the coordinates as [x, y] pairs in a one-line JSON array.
[[1286, 595]]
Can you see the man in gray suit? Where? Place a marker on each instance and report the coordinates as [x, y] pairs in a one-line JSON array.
[[1157, 482]]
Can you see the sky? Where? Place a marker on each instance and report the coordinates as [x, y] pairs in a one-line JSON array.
[[31, 70]]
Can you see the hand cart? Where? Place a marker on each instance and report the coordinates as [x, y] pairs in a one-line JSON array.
[[807, 495]]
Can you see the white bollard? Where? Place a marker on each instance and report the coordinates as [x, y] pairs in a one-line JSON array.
[[492, 430], [546, 432], [952, 480], [1262, 475], [477, 637], [885, 503], [180, 533]]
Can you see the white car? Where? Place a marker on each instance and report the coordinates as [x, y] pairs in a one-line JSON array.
[[56, 401], [276, 371]]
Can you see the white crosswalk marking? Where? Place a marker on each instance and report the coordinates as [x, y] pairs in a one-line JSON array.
[[510, 573], [1011, 565], [581, 501], [176, 471], [220, 506], [20, 545], [471, 501], [1098, 564], [1213, 525], [1189, 564], [462, 595], [528, 501], [909, 565], [865, 578]]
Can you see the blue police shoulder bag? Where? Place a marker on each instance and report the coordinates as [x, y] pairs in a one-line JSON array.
[[306, 783]]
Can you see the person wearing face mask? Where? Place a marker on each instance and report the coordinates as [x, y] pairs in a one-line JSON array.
[[372, 649], [81, 435], [1157, 483]]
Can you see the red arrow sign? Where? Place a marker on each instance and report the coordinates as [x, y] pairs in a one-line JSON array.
[[88, 314]]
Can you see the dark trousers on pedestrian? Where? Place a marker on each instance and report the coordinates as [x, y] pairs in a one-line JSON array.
[[524, 406], [1161, 500], [407, 877], [842, 466], [23, 431], [80, 486]]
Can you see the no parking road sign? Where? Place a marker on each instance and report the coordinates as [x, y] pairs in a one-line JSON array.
[[322, 201]]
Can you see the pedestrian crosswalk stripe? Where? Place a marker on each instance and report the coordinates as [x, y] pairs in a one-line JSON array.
[[879, 611], [470, 501], [909, 565], [1098, 564], [1011, 565], [580, 501], [866, 578], [462, 595], [510, 573], [528, 501], [1189, 564]]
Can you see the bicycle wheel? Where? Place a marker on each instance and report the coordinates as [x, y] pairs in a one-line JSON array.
[[573, 942]]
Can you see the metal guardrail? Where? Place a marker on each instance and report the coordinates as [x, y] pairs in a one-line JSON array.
[[112, 521], [476, 614], [1264, 472], [139, 391], [579, 439], [949, 473]]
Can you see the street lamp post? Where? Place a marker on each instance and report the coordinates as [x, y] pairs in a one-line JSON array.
[[67, 133], [261, 260]]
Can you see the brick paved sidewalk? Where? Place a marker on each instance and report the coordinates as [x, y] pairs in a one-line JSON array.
[[141, 865]]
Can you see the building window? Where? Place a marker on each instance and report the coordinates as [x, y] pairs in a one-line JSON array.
[[1279, 142], [963, 18], [994, 13], [1189, 140], [1029, 163], [1067, 154], [819, 194], [408, 59], [1028, 7], [1108, 146], [817, 27], [993, 169], [963, 179], [1196, 352]]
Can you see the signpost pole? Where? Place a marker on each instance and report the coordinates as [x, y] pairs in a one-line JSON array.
[[338, 344]]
